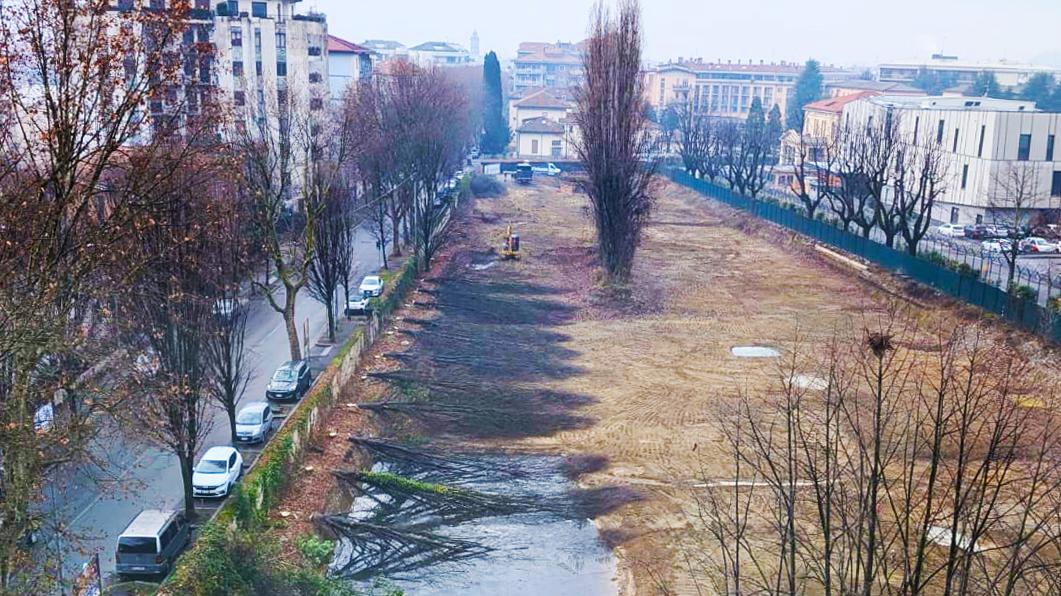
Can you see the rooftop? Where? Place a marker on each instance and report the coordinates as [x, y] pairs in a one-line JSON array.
[[940, 102], [542, 126], [148, 522], [341, 46], [836, 104], [740, 66], [382, 44], [952, 62], [883, 87], [542, 99], [437, 46], [536, 51]]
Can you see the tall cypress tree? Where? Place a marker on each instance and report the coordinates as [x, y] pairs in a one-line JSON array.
[[808, 88], [495, 128]]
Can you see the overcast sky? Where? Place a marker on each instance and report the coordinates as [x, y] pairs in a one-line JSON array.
[[834, 31]]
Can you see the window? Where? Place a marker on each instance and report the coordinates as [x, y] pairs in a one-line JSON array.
[[240, 98], [954, 146], [237, 38], [534, 147], [954, 215], [233, 8], [167, 535], [980, 149], [314, 77], [939, 132], [281, 40], [316, 103], [1050, 148], [232, 461], [1055, 185], [917, 125], [979, 218], [281, 69], [281, 97], [237, 69], [314, 51], [258, 9], [1024, 147], [258, 41], [965, 175], [557, 148], [258, 68]]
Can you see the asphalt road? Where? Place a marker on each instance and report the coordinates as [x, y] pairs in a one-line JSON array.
[[94, 503]]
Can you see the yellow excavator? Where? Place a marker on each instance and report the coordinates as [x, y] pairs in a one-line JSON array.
[[510, 245]]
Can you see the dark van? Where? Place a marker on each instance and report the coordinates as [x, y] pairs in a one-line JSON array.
[[151, 542]]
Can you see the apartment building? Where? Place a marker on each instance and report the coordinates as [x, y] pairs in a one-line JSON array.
[[727, 89], [983, 141], [541, 65], [853, 86], [542, 125], [269, 56], [961, 72], [348, 63], [439, 53]]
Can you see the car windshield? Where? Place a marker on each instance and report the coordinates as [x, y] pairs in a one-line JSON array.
[[371, 281], [210, 466], [284, 374], [249, 417]]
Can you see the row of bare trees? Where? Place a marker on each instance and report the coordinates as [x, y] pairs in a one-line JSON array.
[[132, 229], [897, 461], [740, 153]]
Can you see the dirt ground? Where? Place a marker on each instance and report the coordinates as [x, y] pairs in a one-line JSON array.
[[532, 356]]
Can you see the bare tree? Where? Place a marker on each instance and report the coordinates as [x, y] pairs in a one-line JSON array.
[[810, 175], [75, 78], [1013, 202], [613, 138], [919, 179]]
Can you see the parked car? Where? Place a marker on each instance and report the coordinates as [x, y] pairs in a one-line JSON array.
[[1048, 231], [371, 286], [951, 230], [1036, 245], [1001, 231], [253, 422], [150, 544], [218, 469], [996, 245], [290, 382], [548, 169], [980, 232], [359, 305]]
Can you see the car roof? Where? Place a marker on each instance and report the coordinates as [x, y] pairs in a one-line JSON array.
[[148, 523], [256, 406], [218, 452], [290, 365], [370, 278]]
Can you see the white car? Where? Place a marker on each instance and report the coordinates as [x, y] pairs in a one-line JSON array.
[[952, 230], [254, 422], [371, 286], [217, 470], [358, 305], [1038, 246], [996, 245], [548, 169]]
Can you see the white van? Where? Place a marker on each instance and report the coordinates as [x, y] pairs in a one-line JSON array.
[[149, 545]]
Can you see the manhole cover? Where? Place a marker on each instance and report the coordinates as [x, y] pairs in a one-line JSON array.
[[754, 352]]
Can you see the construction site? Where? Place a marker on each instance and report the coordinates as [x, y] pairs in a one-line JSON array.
[[513, 384]]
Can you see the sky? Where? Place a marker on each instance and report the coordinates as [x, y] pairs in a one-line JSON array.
[[841, 32]]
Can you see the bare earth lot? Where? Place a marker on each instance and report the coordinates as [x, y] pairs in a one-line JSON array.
[[530, 356]]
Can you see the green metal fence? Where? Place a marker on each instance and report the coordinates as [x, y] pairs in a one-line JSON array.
[[1025, 313]]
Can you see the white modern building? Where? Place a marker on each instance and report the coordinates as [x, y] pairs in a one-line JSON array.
[[439, 53], [961, 72], [984, 141], [348, 63], [547, 65]]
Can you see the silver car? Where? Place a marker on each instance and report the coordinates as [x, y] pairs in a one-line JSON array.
[[254, 422]]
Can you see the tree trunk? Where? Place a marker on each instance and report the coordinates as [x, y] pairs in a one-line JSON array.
[[186, 477], [396, 244], [292, 326], [230, 409], [331, 318]]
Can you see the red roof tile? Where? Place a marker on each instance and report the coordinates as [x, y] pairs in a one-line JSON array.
[[341, 46], [836, 104]]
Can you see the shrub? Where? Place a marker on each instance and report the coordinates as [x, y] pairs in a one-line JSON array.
[[936, 258], [1054, 304], [966, 270], [486, 186], [1022, 292], [316, 550]]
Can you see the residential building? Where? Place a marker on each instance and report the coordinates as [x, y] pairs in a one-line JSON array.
[[384, 49], [727, 89], [542, 125], [961, 72], [983, 140], [268, 55], [821, 121], [547, 65], [439, 53], [853, 86], [348, 63]]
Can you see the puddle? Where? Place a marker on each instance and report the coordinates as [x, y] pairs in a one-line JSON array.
[[754, 352], [531, 552]]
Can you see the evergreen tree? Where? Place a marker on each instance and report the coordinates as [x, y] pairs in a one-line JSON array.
[[985, 85], [808, 88], [756, 123], [495, 128], [1039, 89], [932, 83], [773, 124]]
